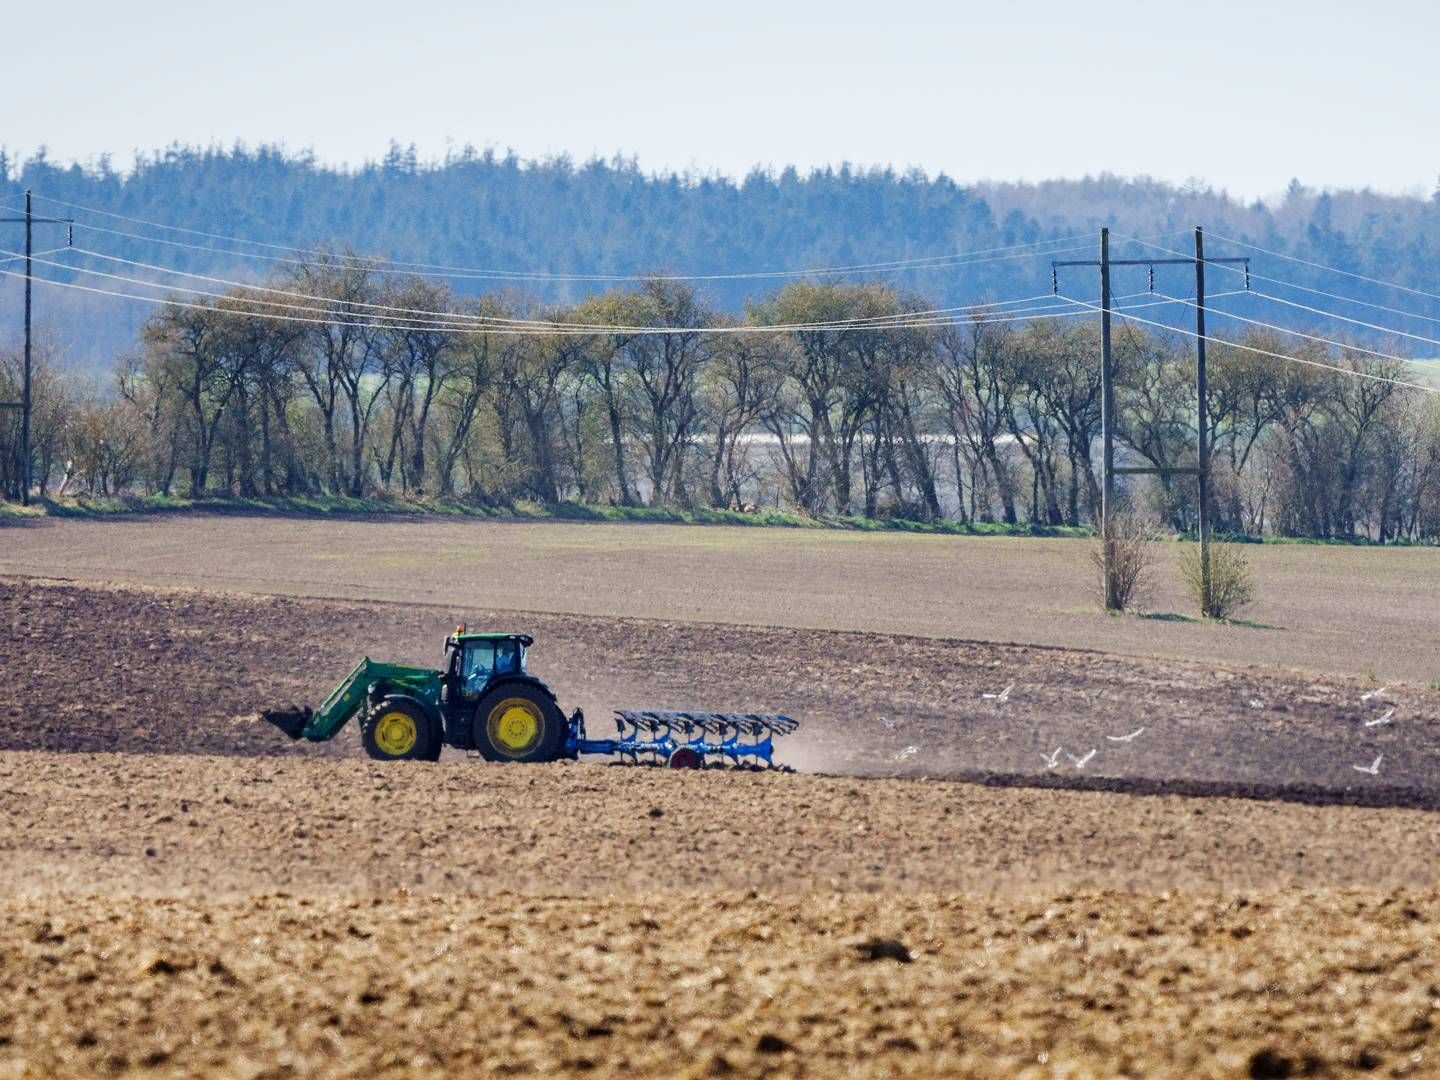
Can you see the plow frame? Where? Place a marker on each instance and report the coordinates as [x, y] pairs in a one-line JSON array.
[[739, 738]]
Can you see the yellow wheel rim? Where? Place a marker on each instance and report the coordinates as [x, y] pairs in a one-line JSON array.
[[515, 725], [396, 733]]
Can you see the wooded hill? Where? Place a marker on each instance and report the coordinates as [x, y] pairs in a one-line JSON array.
[[489, 210]]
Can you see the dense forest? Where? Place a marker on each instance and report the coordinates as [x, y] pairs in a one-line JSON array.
[[494, 211], [832, 394]]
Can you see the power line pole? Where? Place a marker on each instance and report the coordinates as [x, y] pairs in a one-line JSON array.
[[25, 463], [1107, 426], [1202, 425], [1201, 470]]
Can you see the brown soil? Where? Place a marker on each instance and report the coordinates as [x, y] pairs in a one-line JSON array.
[[1087, 985], [225, 826], [232, 916], [175, 670]]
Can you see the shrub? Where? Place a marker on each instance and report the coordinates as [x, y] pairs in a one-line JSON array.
[[1132, 558], [1232, 584]]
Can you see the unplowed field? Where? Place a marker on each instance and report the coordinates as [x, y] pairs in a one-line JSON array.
[[185, 892], [1329, 609]]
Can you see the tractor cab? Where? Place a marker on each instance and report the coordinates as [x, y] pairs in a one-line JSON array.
[[474, 660]]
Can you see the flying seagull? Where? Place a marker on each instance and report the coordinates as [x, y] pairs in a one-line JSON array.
[[1373, 768], [1003, 695], [1080, 761], [1125, 738], [909, 751], [1256, 703], [1373, 694], [1389, 715], [1052, 760]]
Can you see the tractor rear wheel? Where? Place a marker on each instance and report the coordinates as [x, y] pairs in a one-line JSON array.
[[518, 723], [399, 730]]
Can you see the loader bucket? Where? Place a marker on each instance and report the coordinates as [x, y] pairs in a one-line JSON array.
[[290, 720]]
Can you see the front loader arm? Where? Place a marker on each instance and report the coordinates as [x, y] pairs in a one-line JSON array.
[[344, 701]]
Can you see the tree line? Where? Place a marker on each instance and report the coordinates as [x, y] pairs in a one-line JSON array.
[[837, 399]]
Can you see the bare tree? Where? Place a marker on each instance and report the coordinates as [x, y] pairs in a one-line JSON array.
[[738, 389]]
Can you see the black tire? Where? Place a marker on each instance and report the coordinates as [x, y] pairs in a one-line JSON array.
[[518, 722], [400, 730]]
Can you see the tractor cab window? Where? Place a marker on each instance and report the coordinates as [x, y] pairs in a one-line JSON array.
[[475, 669], [509, 658], [484, 660]]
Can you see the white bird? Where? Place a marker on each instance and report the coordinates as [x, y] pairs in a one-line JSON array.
[[1389, 715], [1052, 760], [1125, 738], [1372, 769], [1373, 694], [909, 751], [1256, 703], [1080, 761], [889, 724], [1003, 695]]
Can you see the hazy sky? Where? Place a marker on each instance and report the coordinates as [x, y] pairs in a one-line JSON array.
[[1243, 94]]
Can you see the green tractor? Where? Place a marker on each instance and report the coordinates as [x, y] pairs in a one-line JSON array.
[[483, 698]]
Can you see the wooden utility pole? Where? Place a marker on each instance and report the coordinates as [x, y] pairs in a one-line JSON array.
[[25, 463], [25, 386], [1202, 424], [1107, 426], [1201, 470]]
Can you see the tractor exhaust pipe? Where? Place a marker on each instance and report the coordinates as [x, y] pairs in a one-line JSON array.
[[291, 721]]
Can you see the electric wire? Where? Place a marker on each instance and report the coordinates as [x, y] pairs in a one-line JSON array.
[[1296, 333], [432, 319], [980, 318], [535, 330], [377, 266], [1322, 312], [1266, 352], [1323, 266], [1296, 285], [1346, 318], [932, 262], [34, 255], [877, 320]]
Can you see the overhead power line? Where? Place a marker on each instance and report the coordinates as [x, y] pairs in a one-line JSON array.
[[541, 329], [440, 269], [396, 323], [425, 318], [1331, 269], [376, 265], [431, 319], [458, 315], [1301, 334], [1304, 288], [1357, 373], [1346, 318]]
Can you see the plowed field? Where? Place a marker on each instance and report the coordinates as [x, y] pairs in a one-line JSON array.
[[1216, 891], [178, 670]]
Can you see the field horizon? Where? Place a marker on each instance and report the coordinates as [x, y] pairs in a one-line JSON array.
[[1356, 611]]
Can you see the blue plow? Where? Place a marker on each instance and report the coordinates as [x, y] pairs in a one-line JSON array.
[[685, 740]]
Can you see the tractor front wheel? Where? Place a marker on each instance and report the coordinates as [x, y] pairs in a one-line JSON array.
[[518, 723], [398, 730]]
